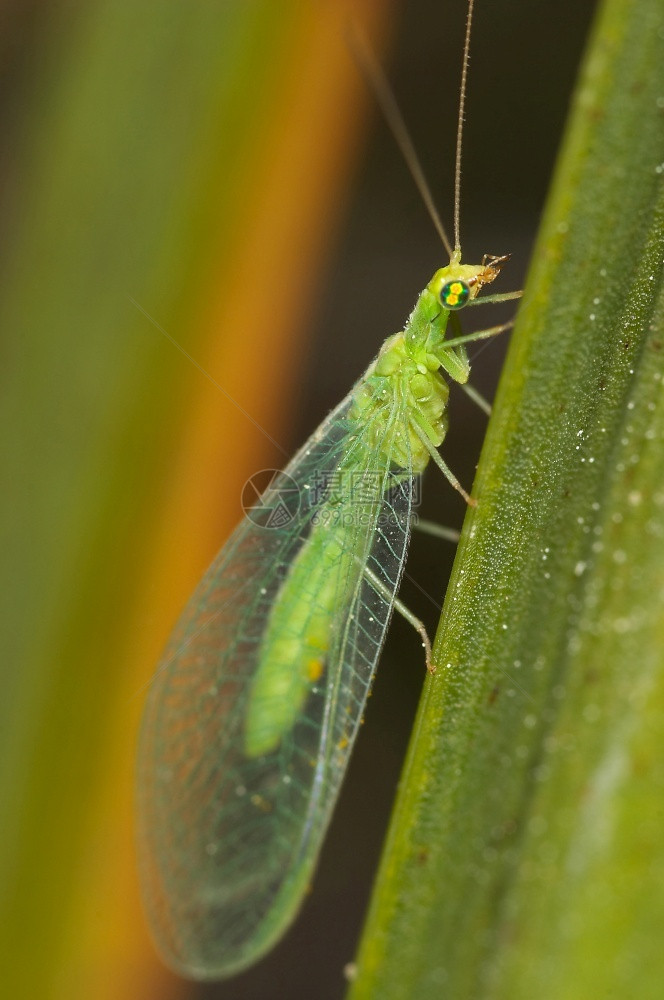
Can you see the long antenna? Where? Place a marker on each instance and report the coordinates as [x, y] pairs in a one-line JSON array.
[[459, 141], [388, 105]]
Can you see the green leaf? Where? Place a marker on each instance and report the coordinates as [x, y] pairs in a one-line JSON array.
[[526, 856]]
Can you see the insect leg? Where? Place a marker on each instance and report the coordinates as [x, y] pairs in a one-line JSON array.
[[499, 297], [405, 612], [444, 468], [460, 339], [437, 530], [477, 398], [469, 338]]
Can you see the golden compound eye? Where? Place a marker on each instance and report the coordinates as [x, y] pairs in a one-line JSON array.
[[454, 294]]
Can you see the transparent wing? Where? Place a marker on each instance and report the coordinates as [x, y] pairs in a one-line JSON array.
[[228, 842]]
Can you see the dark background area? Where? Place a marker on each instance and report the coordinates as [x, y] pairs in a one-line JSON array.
[[524, 60]]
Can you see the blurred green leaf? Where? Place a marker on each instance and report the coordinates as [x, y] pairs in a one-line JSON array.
[[131, 116], [525, 857]]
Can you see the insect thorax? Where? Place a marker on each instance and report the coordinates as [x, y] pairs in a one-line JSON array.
[[395, 396]]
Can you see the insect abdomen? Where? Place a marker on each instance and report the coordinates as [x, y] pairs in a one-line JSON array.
[[297, 638]]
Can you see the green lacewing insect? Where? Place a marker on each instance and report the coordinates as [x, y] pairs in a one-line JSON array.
[[256, 703]]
